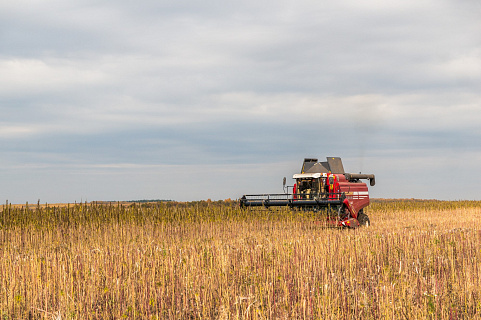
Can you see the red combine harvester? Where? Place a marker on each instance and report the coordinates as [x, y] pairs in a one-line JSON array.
[[323, 186]]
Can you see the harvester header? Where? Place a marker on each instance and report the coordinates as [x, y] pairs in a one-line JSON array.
[[323, 186]]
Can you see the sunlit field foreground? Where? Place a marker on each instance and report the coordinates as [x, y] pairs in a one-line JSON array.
[[418, 260]]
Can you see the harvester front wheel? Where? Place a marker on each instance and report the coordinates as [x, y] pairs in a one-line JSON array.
[[363, 219]]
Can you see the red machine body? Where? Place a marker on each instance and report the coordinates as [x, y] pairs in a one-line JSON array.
[[323, 186]]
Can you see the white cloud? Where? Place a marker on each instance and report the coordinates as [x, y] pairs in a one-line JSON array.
[[12, 132], [33, 76], [463, 67]]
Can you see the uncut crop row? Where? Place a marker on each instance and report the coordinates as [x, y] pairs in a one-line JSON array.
[[419, 259]]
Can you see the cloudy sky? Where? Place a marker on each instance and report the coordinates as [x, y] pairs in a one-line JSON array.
[[189, 100]]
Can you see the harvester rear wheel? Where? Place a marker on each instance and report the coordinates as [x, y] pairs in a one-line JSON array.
[[363, 219]]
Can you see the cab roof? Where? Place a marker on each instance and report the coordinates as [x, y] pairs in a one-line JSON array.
[[315, 175]]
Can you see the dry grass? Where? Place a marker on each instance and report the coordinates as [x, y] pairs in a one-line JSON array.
[[418, 260]]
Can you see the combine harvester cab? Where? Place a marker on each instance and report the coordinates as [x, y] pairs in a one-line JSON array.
[[323, 186]]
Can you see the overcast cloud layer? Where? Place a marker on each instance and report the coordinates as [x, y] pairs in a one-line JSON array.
[[188, 100]]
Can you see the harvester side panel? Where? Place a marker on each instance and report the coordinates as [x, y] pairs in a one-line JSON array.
[[356, 194]]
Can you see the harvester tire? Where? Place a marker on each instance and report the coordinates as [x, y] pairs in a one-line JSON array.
[[363, 220]]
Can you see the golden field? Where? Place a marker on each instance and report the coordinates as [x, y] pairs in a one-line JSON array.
[[212, 260]]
